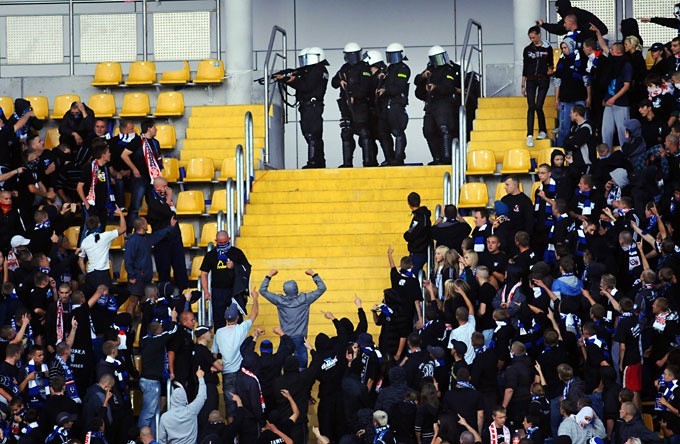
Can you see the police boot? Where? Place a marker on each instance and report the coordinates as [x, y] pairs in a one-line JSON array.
[[347, 153], [399, 149], [435, 151], [388, 150], [447, 142], [369, 159], [311, 155]]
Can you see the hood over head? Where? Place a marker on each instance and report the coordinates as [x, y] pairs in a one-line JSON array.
[[630, 27], [397, 375], [634, 127], [321, 342], [290, 288], [249, 361], [347, 325], [179, 395], [571, 44], [563, 6], [291, 365]]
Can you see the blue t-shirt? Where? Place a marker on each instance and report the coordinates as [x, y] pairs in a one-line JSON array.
[[624, 75]]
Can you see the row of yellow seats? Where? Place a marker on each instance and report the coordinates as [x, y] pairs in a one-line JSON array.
[[515, 161], [194, 274], [199, 169], [165, 135], [168, 104], [144, 73], [476, 194], [208, 234]]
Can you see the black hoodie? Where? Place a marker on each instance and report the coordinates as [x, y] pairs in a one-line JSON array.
[[418, 234], [584, 18]]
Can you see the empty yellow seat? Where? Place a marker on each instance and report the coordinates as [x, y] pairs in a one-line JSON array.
[[210, 71], [470, 221], [179, 77], [500, 191], [165, 134], [170, 104], [534, 187], [135, 105], [219, 201], [143, 209], [190, 203], [200, 169], [228, 169], [107, 74], [195, 268], [473, 195], [516, 161], [72, 234], [7, 105], [188, 234], [141, 73], [118, 243], [41, 107], [52, 138], [123, 276], [103, 105], [171, 169], [62, 104], [208, 234], [481, 162]]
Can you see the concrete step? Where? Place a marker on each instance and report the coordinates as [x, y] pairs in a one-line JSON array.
[[312, 230], [299, 275], [510, 113], [234, 121], [407, 172], [492, 136], [328, 184], [348, 195], [217, 155], [228, 110], [221, 133], [328, 240], [268, 220], [201, 144], [340, 251], [304, 209], [510, 102], [501, 145], [353, 259], [504, 124]]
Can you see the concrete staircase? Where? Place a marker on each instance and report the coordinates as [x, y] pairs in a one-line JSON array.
[[338, 222]]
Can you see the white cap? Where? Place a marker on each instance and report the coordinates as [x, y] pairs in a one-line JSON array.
[[18, 241]]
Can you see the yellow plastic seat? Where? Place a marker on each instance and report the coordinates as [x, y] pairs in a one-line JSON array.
[[72, 234], [118, 242], [545, 155], [188, 234], [481, 162], [103, 105], [473, 195], [648, 420], [200, 169], [52, 138], [62, 104], [210, 71], [179, 77], [141, 73], [135, 105], [190, 203], [500, 190], [108, 74], [195, 268], [516, 161], [470, 221], [208, 234], [7, 105], [166, 136], [143, 209], [228, 169], [219, 202], [171, 169], [649, 60], [534, 187], [41, 107], [170, 104], [123, 275], [557, 53]]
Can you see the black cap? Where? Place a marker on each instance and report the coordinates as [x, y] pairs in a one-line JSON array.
[[459, 346], [656, 47], [200, 331], [64, 417]]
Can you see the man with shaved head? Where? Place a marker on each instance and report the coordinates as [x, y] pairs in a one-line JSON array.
[[230, 274]]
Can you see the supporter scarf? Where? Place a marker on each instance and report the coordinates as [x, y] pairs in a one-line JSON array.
[[530, 431], [480, 244], [480, 350], [28, 334], [506, 296], [42, 225], [58, 435], [22, 133], [670, 388], [99, 435], [581, 243], [493, 434], [222, 250], [406, 272], [252, 375], [71, 389], [660, 320], [12, 260], [662, 389], [549, 190], [109, 302], [567, 386], [464, 385], [111, 201], [162, 197], [497, 223], [597, 342], [380, 433], [38, 388], [60, 322], [6, 208], [584, 202], [651, 225], [151, 160]]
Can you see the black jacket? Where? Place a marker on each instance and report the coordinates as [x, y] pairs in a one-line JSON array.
[[537, 61], [418, 234], [584, 19], [451, 233], [310, 82]]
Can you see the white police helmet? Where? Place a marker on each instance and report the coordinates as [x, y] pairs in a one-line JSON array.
[[373, 57], [302, 56], [438, 56], [315, 55], [394, 53], [352, 53]]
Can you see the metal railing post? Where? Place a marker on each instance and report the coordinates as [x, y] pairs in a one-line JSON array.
[[145, 48], [220, 220], [480, 61], [208, 304], [71, 42], [250, 154], [267, 73], [201, 304], [240, 194], [168, 388], [423, 292], [447, 189], [218, 28], [230, 208]]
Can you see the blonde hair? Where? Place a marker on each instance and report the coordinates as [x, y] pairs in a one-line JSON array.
[[449, 289], [451, 260], [473, 259], [442, 249], [634, 42]]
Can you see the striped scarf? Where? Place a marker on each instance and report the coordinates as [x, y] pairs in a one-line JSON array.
[[550, 191]]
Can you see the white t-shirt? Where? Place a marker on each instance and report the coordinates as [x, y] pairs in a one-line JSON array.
[[97, 253], [464, 334], [228, 342]]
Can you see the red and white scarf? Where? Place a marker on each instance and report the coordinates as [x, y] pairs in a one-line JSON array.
[[508, 297], [93, 183], [493, 434], [150, 158], [259, 387], [60, 322]]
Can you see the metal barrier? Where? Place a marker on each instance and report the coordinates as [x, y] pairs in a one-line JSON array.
[[240, 192], [208, 304], [466, 56], [250, 154], [201, 303], [269, 64], [168, 389], [448, 192], [220, 220], [421, 278], [230, 208], [458, 162]]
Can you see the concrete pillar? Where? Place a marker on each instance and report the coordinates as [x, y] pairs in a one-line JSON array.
[[524, 15], [238, 48]]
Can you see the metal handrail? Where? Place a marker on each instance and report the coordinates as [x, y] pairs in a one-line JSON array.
[[447, 192], [168, 388], [201, 303], [230, 207], [250, 154], [465, 58], [267, 74], [240, 193], [208, 304], [422, 291], [220, 220]]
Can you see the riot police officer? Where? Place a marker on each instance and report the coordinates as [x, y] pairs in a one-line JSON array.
[[377, 122], [310, 81], [436, 86], [354, 81], [393, 97]]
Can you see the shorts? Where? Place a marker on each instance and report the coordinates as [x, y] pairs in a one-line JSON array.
[[632, 377]]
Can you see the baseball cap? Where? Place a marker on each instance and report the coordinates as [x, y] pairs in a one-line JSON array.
[[266, 346], [435, 351], [64, 417], [18, 241], [200, 331], [365, 340], [656, 47], [459, 347], [231, 314]]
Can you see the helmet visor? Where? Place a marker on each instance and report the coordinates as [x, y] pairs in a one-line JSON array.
[[394, 57], [440, 59], [309, 59], [353, 57]]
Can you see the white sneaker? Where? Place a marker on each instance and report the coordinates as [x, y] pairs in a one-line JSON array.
[[530, 141], [542, 135]]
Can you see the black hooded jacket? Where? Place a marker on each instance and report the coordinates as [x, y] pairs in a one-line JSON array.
[[584, 18], [418, 234], [395, 392]]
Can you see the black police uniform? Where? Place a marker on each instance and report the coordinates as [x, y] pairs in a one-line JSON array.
[[394, 100], [354, 111], [439, 122], [377, 122], [310, 84]]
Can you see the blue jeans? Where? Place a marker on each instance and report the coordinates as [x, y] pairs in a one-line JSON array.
[[138, 187], [228, 387], [300, 351], [151, 403], [419, 261], [219, 301], [564, 115], [488, 335]]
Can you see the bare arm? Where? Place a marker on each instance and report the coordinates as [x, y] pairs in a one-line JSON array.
[[256, 305], [390, 250], [204, 285], [126, 158], [23, 121]]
